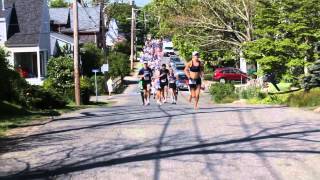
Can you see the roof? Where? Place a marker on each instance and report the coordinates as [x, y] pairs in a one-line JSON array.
[[59, 15], [27, 13], [89, 19], [62, 37]]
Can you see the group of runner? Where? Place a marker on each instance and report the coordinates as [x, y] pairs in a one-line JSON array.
[[152, 52], [161, 81]]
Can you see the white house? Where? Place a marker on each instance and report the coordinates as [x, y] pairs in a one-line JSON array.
[[113, 33], [25, 34]]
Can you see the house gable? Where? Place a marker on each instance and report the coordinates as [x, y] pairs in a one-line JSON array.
[[25, 22]]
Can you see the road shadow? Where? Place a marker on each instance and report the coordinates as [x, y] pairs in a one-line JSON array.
[[200, 149], [120, 152]]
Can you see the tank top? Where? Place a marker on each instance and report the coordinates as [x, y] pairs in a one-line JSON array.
[[195, 68], [172, 79]]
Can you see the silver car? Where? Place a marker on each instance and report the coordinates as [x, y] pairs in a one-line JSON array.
[[182, 81], [178, 69]]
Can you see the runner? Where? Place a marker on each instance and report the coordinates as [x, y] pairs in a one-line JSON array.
[[164, 82], [194, 72], [146, 74], [173, 86], [153, 86], [158, 88], [141, 90]]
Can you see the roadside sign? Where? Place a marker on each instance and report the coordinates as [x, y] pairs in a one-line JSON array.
[[105, 68], [95, 70]]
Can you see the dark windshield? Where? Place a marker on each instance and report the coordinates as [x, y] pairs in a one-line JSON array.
[[180, 68], [182, 76], [176, 59], [168, 48]]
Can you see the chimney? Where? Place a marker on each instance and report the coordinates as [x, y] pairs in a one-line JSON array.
[[3, 9]]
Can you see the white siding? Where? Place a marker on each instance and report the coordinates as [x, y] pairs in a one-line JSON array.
[[3, 31]]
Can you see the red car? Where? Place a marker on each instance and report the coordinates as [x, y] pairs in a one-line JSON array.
[[229, 74]]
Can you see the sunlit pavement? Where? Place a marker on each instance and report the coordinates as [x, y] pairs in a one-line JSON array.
[[129, 141]]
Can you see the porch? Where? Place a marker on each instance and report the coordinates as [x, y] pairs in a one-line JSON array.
[[31, 64]]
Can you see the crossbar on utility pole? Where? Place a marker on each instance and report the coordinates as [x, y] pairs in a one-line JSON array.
[[132, 33], [76, 53]]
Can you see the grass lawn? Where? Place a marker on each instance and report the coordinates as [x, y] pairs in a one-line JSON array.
[[282, 86], [13, 116]]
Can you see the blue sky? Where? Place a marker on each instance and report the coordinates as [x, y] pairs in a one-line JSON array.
[[142, 2]]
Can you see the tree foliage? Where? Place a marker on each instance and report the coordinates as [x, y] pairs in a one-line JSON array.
[[120, 12], [312, 80], [286, 34], [91, 58], [207, 26], [58, 4], [119, 64], [60, 75]]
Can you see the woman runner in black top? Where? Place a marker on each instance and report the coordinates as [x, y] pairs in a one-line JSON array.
[[194, 71]]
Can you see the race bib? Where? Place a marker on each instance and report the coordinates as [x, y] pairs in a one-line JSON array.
[[163, 80], [172, 81], [191, 81], [146, 78]]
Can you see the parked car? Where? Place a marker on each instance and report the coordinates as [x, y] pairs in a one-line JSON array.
[[174, 60], [168, 49], [178, 64], [229, 74], [179, 69], [182, 83]]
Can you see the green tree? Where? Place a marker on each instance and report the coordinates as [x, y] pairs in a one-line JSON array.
[[120, 12], [119, 64], [58, 4], [91, 58], [286, 32], [11, 84], [313, 80], [207, 26], [60, 76]]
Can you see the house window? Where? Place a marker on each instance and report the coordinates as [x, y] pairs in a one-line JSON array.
[[42, 63], [26, 64]]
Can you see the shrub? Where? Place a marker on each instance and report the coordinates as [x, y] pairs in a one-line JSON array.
[[304, 99], [101, 84], [60, 76], [86, 90], [275, 99], [36, 97], [251, 92], [208, 77], [91, 57], [7, 76], [223, 93], [119, 64]]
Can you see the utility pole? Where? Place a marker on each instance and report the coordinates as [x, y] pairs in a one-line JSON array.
[[76, 53], [132, 33], [103, 31]]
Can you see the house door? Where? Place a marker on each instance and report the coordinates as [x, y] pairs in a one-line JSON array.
[[34, 64]]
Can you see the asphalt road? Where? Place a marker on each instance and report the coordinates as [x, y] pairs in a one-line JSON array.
[[128, 142]]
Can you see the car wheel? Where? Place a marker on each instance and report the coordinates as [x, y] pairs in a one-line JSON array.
[[222, 80]]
